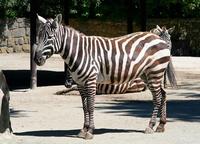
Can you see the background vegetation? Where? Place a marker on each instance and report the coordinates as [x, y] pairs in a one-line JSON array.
[[105, 9], [119, 10]]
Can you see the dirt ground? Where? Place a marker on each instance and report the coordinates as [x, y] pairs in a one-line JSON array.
[[41, 117]]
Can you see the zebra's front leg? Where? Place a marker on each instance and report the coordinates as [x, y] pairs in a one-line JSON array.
[[88, 98], [90, 101], [84, 130]]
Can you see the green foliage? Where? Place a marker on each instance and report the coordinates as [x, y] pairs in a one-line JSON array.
[[82, 7], [14, 8], [50, 8], [105, 9], [173, 8], [191, 8]]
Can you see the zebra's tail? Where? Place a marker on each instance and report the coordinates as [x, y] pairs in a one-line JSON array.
[[171, 74]]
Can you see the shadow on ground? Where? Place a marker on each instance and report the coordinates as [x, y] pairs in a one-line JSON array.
[[184, 110], [20, 79], [73, 133], [177, 110]]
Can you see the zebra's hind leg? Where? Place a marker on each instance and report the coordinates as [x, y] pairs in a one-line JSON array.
[[163, 115], [156, 92]]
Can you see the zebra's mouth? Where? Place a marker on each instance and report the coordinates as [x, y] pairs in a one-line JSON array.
[[40, 61]]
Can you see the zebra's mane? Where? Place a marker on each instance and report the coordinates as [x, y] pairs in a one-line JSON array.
[[72, 29]]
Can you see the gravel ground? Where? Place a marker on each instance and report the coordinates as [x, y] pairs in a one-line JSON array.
[[41, 117]]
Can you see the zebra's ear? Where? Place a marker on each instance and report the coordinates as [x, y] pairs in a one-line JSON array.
[[41, 19], [57, 21], [59, 18], [164, 28], [170, 30], [156, 30]]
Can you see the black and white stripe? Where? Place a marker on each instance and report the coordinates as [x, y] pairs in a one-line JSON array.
[[95, 59]]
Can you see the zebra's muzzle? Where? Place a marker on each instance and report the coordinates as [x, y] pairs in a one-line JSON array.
[[39, 58]]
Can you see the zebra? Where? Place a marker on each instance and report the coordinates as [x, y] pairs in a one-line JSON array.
[[96, 59], [5, 124], [135, 85]]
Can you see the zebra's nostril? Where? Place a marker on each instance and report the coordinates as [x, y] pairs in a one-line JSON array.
[[39, 59]]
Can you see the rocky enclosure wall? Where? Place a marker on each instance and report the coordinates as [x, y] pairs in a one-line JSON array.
[[15, 34]]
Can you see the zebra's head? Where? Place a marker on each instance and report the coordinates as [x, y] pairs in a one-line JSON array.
[[46, 40], [164, 33]]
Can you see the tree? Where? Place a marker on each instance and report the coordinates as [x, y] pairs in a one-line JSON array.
[[92, 5], [143, 16], [34, 6], [129, 16], [14, 8]]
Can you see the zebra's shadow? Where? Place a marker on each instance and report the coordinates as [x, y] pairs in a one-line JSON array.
[[73, 133]]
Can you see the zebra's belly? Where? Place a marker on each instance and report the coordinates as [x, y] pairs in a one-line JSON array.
[[103, 79], [113, 79]]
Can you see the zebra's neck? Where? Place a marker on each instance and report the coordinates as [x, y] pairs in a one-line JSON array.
[[167, 39], [72, 47]]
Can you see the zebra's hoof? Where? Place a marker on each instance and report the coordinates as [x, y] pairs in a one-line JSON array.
[[160, 129], [148, 130], [82, 134], [88, 136], [68, 85]]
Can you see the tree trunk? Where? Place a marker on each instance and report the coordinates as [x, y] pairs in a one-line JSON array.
[[5, 124], [68, 78], [143, 15], [34, 5], [79, 7], [66, 12], [91, 9], [129, 16]]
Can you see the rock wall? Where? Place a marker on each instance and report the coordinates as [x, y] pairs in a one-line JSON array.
[[14, 35]]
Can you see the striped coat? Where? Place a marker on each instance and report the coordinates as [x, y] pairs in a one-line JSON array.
[[132, 86]]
